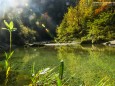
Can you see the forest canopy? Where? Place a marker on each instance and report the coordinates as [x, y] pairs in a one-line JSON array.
[[88, 22]]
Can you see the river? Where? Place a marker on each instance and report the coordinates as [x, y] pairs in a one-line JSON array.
[[88, 64]]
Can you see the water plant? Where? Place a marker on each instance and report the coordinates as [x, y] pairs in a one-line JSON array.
[[42, 77], [10, 28], [47, 76], [61, 70], [7, 66], [104, 82]]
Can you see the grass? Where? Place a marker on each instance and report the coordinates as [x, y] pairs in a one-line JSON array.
[[47, 76]]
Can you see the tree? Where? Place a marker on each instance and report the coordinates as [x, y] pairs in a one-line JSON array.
[[74, 22], [87, 22], [102, 27]]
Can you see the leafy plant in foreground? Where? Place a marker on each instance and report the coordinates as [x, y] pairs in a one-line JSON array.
[[42, 77], [61, 70], [7, 62], [47, 76], [7, 66], [10, 28]]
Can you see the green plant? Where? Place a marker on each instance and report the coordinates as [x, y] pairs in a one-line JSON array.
[[106, 81], [74, 22], [8, 56], [7, 66], [42, 77], [10, 28], [47, 76], [61, 70]]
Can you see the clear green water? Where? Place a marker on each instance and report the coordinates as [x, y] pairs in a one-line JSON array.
[[83, 64]]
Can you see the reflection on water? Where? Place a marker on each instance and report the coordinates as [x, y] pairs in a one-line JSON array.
[[86, 65], [42, 57], [89, 64]]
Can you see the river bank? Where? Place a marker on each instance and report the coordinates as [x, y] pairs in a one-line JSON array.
[[6, 47]]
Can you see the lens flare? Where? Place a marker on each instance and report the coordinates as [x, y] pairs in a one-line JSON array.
[[43, 25], [6, 5]]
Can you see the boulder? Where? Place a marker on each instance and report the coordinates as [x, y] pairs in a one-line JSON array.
[[110, 43]]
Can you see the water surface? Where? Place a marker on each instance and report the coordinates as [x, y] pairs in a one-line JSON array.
[[87, 64]]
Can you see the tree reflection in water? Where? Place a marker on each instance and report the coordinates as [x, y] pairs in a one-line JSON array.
[[88, 64]]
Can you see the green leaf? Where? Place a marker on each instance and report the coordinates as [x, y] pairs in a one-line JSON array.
[[59, 82], [6, 63], [14, 29], [7, 25], [4, 28], [7, 72], [61, 70], [10, 54], [33, 68], [6, 55], [11, 25]]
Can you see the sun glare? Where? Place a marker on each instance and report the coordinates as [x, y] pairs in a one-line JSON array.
[[6, 5]]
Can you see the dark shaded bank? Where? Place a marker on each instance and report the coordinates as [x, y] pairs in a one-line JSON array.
[[104, 42], [4, 47]]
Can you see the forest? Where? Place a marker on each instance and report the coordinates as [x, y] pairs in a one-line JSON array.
[[67, 20], [89, 23], [32, 19]]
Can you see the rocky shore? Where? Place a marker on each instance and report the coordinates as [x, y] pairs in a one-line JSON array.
[[110, 43]]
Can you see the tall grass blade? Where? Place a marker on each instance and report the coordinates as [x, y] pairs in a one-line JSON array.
[[7, 72], [10, 55], [59, 82], [61, 70], [33, 69], [6, 64], [6, 55]]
